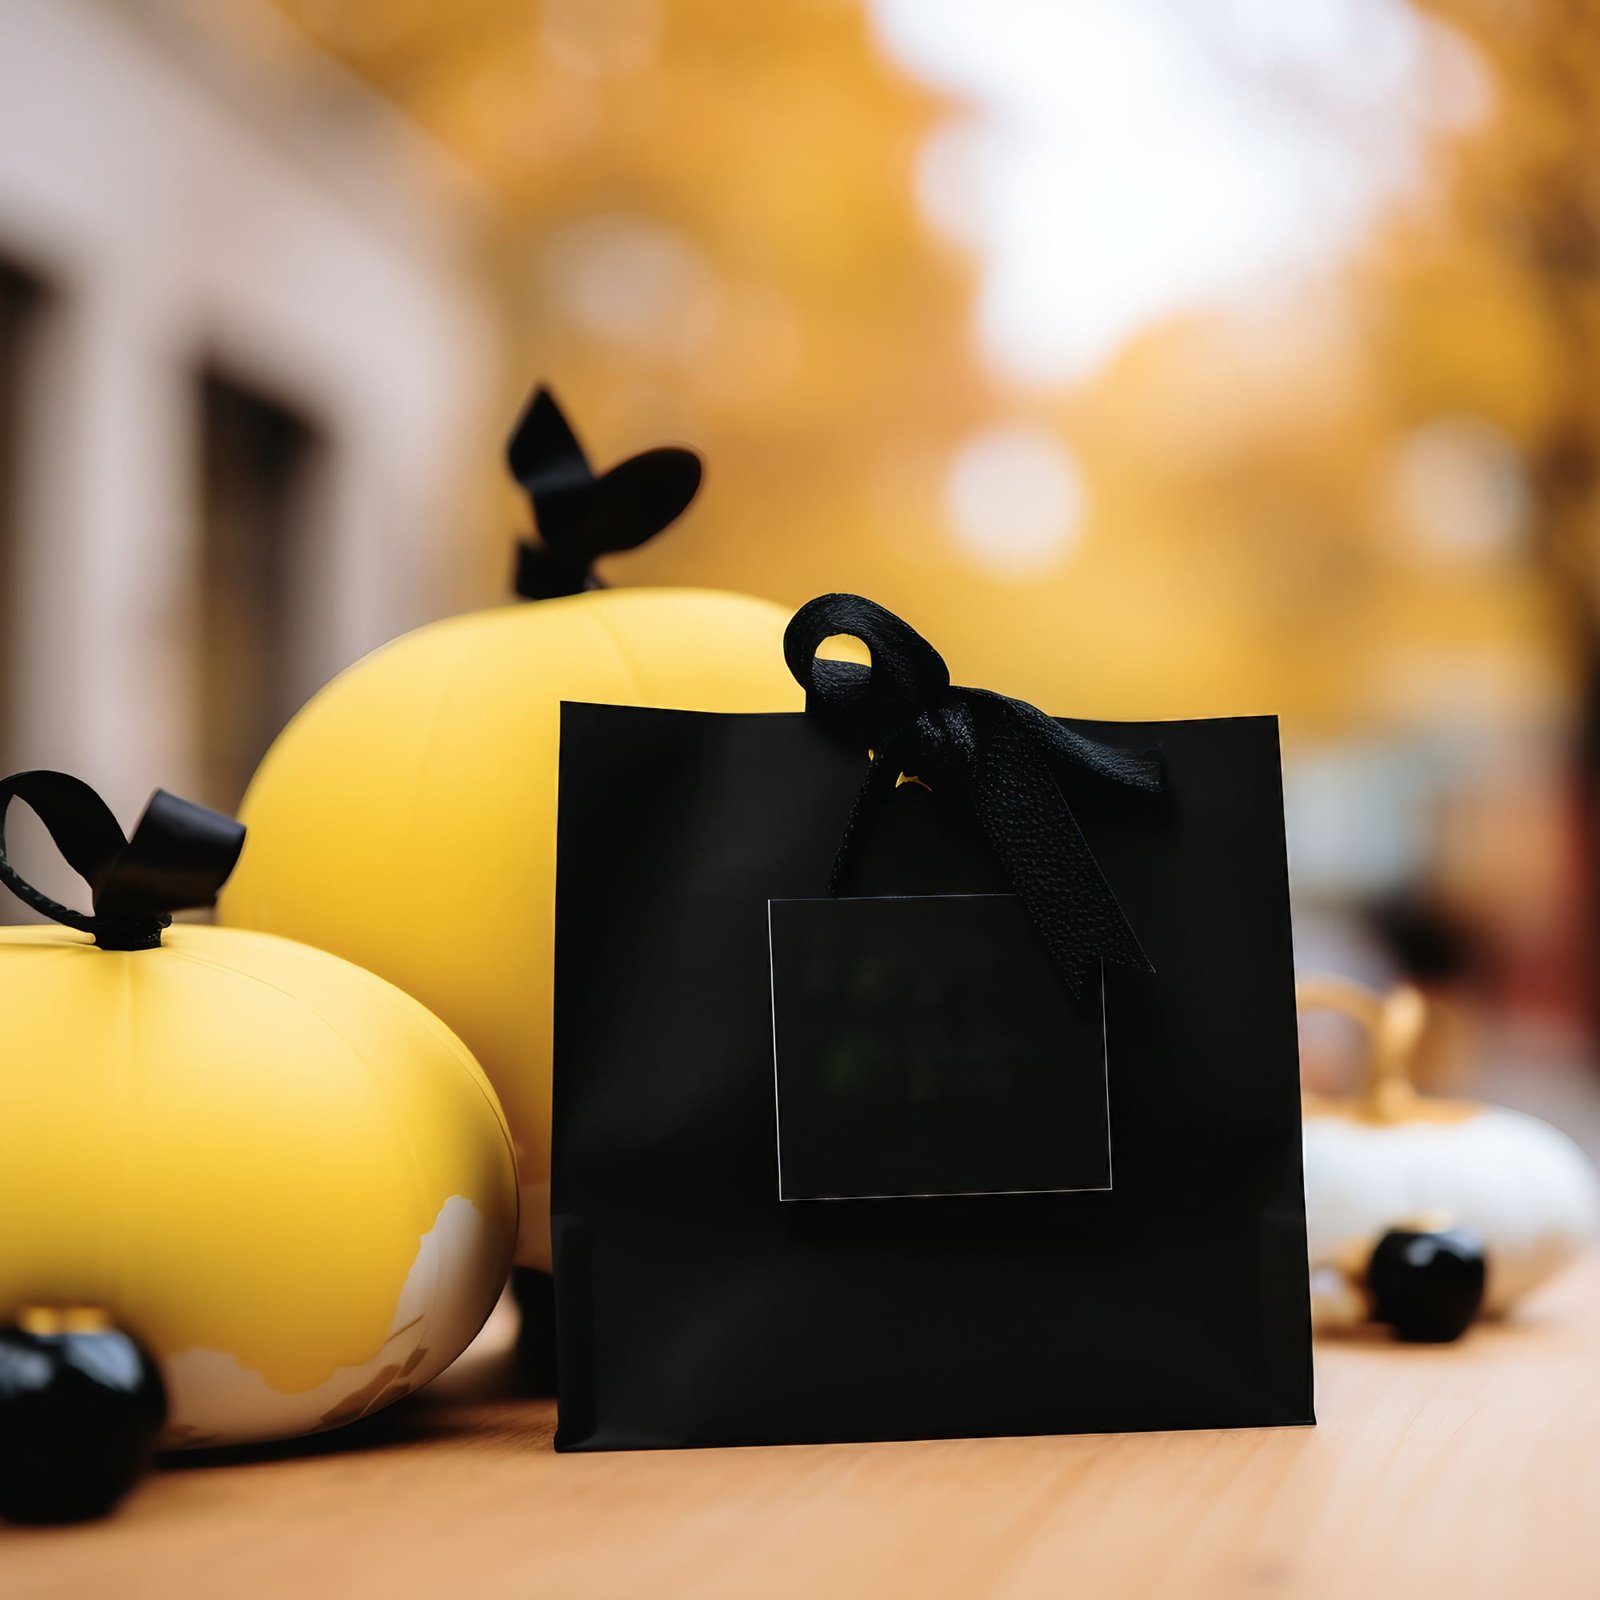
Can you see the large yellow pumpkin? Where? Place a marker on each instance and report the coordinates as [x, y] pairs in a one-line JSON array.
[[406, 818], [285, 1177]]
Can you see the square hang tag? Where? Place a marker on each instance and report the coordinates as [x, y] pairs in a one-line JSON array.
[[924, 1045]]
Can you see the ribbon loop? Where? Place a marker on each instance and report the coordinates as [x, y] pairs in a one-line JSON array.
[[999, 755], [907, 676], [180, 855]]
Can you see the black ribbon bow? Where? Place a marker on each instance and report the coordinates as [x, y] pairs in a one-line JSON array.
[[996, 752], [582, 515], [180, 855]]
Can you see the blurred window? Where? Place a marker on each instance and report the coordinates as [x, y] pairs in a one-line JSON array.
[[22, 299], [259, 462]]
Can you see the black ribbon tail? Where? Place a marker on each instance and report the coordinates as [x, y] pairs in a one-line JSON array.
[[180, 855], [1044, 855]]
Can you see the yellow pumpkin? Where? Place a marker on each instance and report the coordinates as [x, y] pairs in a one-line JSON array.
[[284, 1176], [406, 817]]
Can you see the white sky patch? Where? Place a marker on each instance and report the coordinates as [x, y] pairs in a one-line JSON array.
[[1462, 489], [1122, 161], [1014, 498]]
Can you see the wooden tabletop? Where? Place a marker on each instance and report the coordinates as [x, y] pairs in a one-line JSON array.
[[1466, 1470]]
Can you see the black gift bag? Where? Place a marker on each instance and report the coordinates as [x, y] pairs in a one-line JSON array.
[[950, 1090]]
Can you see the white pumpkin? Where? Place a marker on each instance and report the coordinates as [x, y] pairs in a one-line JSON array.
[[1389, 1156]]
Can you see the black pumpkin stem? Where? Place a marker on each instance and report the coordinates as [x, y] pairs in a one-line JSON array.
[[180, 855], [582, 515]]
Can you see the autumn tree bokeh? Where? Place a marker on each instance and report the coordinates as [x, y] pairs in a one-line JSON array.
[[1495, 313], [1366, 500], [710, 234], [712, 230]]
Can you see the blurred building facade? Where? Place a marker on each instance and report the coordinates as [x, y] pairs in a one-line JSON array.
[[244, 343]]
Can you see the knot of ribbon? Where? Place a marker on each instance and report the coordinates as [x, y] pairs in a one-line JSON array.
[[180, 855], [582, 515], [997, 755]]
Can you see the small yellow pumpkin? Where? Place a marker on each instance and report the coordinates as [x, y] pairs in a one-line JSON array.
[[1389, 1156], [406, 817], [282, 1175]]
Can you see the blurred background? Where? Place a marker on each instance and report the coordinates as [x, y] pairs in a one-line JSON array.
[[1156, 359]]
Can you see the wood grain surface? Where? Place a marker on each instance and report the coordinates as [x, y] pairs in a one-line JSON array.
[[1468, 1470]]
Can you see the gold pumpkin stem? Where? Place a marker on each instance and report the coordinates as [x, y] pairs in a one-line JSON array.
[[1391, 1025]]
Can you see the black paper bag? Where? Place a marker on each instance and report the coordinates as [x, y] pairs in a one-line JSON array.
[[988, 1123]]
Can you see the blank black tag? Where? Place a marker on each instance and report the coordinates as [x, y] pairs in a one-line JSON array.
[[924, 1045]]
